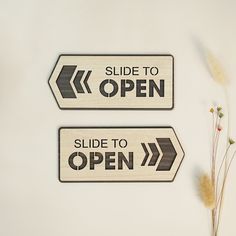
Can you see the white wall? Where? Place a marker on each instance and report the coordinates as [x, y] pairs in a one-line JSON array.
[[32, 35]]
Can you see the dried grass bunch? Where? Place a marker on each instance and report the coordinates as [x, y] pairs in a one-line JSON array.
[[212, 186]]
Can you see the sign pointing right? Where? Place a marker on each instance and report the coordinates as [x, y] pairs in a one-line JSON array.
[[118, 154]]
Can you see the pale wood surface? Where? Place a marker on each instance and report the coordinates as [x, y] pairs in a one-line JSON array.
[[97, 64], [134, 137]]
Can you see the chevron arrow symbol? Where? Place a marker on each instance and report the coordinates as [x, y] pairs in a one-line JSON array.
[[168, 154], [77, 81], [66, 76], [63, 82], [155, 154]]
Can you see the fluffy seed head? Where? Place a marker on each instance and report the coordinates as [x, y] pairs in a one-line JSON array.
[[216, 69], [206, 191]]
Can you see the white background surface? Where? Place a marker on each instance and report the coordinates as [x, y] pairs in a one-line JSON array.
[[33, 34]]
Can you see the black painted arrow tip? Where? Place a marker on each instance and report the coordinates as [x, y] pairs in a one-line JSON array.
[[63, 81]]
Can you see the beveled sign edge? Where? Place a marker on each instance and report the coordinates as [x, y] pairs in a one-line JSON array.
[[117, 127], [96, 108]]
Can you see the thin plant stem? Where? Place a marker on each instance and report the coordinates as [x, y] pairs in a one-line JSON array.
[[214, 122], [213, 136], [222, 162], [216, 134], [223, 188], [226, 162]]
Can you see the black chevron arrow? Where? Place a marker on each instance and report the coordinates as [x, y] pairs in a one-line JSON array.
[[86, 81], [146, 154], [155, 154], [77, 81], [169, 154], [63, 81]]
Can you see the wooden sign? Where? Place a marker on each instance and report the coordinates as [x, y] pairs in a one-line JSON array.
[[141, 82], [117, 154]]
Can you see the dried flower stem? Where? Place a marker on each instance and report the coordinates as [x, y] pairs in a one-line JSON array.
[[218, 178], [226, 159], [221, 165], [225, 177], [222, 190], [216, 134], [212, 188]]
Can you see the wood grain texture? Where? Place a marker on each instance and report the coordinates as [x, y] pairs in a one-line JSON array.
[[119, 154], [140, 82]]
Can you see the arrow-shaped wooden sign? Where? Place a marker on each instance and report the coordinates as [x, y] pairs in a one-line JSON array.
[[141, 82], [118, 154]]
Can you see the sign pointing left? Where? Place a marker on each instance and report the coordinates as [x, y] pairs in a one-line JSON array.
[[141, 82]]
